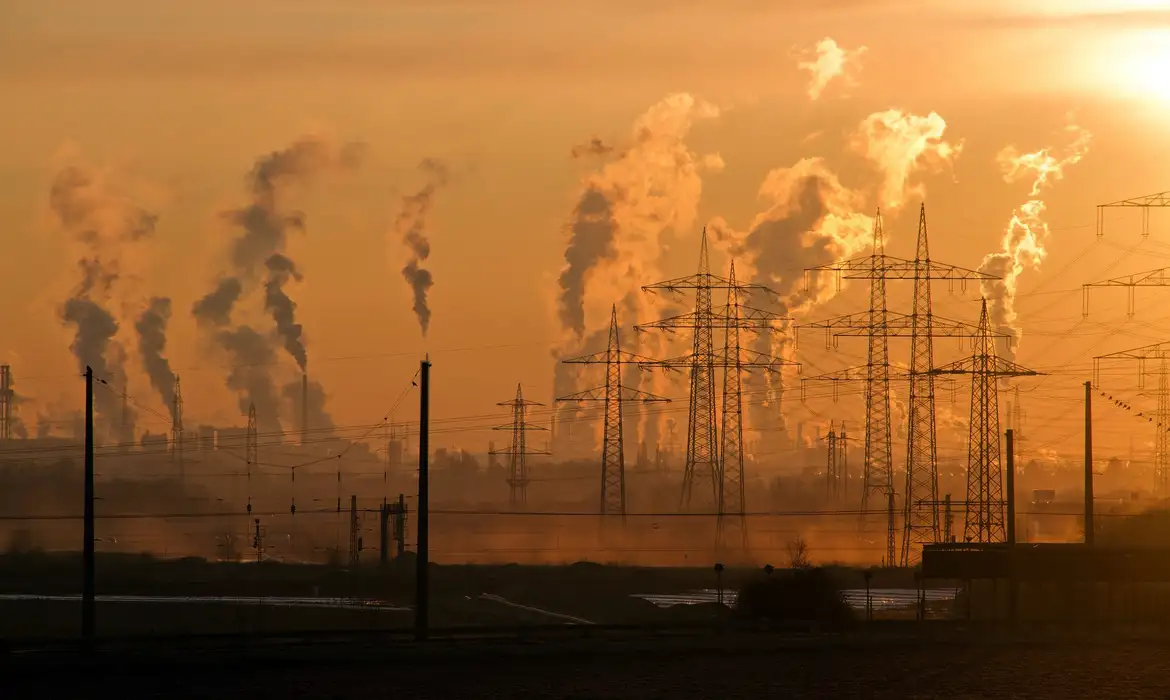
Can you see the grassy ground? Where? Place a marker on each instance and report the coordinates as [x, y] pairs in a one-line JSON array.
[[879, 669]]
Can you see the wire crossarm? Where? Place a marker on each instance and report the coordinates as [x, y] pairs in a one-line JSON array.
[[748, 359], [628, 395], [992, 365], [1145, 203], [896, 325], [1149, 278], [890, 267], [1157, 351], [721, 318]]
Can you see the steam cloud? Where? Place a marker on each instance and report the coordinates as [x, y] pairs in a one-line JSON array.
[[827, 61], [1023, 241], [900, 145], [102, 226], [152, 344], [259, 257], [411, 227], [615, 231]]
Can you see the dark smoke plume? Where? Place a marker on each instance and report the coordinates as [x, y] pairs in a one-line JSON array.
[[591, 239], [215, 308], [283, 309], [152, 344], [101, 224], [258, 255], [411, 227], [594, 147], [319, 419], [252, 357]]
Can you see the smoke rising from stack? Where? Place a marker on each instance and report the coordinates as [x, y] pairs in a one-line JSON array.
[[902, 144], [259, 257], [152, 344], [827, 61], [411, 228], [615, 232], [310, 404], [1027, 231], [283, 309], [102, 227]]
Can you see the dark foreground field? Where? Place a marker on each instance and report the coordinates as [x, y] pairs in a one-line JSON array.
[[755, 667]]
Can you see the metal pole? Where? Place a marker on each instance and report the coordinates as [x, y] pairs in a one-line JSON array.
[[1013, 584], [421, 561], [87, 595], [1011, 486], [1089, 463]]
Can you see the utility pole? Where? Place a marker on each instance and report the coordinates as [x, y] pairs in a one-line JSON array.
[[6, 396], [251, 450], [89, 534], [354, 534], [517, 451], [1009, 437], [832, 478], [1089, 525], [422, 558], [613, 395]]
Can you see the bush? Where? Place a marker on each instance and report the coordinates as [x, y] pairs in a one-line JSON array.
[[799, 595]]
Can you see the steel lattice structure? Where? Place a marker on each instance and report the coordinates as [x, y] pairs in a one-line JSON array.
[[1145, 203], [517, 450], [1149, 278], [985, 502], [251, 449], [832, 478], [613, 395], [703, 461], [177, 428], [1159, 352], [920, 503], [6, 399]]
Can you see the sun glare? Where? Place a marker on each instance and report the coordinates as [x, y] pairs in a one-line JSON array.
[[1140, 65]]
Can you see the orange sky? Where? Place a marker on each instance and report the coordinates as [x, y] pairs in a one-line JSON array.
[[175, 101]]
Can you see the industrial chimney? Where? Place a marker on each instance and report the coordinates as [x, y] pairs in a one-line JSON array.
[[304, 408]]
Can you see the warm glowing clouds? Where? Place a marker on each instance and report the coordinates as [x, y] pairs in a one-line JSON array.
[[902, 144], [827, 61]]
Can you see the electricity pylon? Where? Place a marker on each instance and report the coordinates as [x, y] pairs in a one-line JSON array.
[[177, 428], [517, 451], [832, 478], [921, 510], [1149, 278], [1161, 417], [703, 450], [251, 449], [1150, 201], [985, 502], [614, 395]]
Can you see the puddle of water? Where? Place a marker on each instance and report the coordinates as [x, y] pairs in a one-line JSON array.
[[880, 598]]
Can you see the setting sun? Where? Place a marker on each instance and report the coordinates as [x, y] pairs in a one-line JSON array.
[[1139, 64]]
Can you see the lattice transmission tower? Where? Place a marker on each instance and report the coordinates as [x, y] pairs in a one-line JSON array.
[[920, 512], [703, 462], [177, 428], [517, 450], [251, 449], [1146, 203], [837, 463], [613, 395], [6, 400], [1160, 352], [985, 501]]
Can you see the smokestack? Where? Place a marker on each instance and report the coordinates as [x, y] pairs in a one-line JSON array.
[[304, 407]]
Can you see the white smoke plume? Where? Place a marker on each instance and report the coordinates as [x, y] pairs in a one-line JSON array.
[[902, 144], [1023, 242], [646, 188], [615, 232], [826, 61], [811, 219]]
